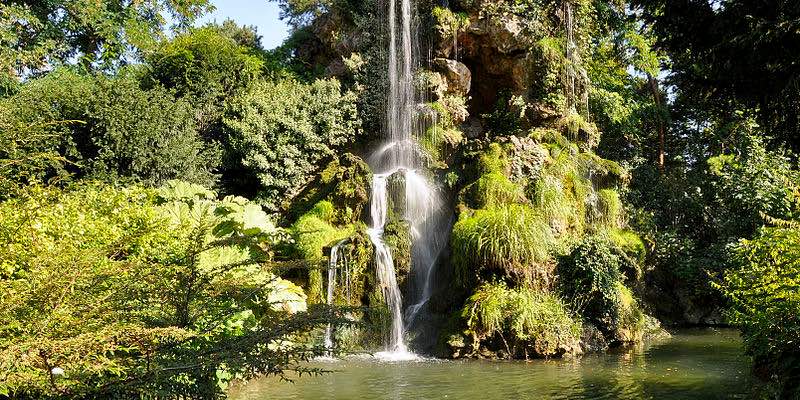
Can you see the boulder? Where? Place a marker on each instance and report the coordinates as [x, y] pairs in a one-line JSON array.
[[456, 74]]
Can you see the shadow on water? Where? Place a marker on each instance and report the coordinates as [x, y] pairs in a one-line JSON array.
[[694, 364]]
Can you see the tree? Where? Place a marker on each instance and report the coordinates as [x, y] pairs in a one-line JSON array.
[[734, 51], [280, 133], [207, 66], [101, 34], [110, 128]]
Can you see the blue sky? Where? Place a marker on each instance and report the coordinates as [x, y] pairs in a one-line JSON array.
[[261, 13]]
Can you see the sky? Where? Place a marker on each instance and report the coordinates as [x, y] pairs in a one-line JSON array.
[[263, 14]]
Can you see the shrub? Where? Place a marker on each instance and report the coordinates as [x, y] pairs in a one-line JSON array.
[[279, 134], [590, 276], [205, 64], [141, 293], [765, 302], [524, 319], [109, 128]]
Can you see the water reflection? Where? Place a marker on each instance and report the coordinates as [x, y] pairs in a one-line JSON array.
[[696, 364]]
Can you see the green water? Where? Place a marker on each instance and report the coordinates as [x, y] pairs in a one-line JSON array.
[[693, 364]]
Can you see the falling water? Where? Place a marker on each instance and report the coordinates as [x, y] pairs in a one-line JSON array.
[[333, 266], [402, 154], [384, 264]]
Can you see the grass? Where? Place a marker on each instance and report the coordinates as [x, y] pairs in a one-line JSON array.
[[512, 238], [522, 316]]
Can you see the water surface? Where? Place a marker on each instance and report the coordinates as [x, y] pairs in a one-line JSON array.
[[693, 364]]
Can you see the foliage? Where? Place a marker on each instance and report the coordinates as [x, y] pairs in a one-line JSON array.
[[764, 291], [512, 238], [280, 133], [591, 277], [494, 190], [208, 65], [523, 318], [101, 34], [109, 128], [166, 294], [609, 208], [705, 40], [22, 159]]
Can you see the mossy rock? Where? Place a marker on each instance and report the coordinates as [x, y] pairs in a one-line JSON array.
[[397, 236], [529, 322], [312, 233], [345, 182]]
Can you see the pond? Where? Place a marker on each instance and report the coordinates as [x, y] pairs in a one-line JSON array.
[[693, 364]]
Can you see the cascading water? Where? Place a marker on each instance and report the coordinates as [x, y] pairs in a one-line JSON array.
[[384, 264], [401, 154], [333, 267]]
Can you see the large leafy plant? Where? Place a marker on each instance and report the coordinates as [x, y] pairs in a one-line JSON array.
[[135, 293]]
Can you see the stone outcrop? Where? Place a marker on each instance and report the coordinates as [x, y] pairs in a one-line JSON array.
[[457, 76]]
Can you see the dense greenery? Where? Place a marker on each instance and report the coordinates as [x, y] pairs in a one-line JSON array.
[[169, 200], [166, 293], [764, 301], [280, 132]]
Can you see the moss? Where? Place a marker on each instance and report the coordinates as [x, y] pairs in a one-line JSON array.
[[513, 239], [397, 235], [440, 143], [492, 190], [630, 320], [494, 159], [609, 208], [630, 243], [312, 233], [345, 182], [525, 319], [323, 210]]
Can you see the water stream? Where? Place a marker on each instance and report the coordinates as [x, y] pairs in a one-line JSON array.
[[333, 267]]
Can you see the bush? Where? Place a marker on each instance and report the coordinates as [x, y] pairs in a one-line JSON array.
[[524, 319], [206, 66], [109, 128], [137, 293], [280, 133], [764, 293], [512, 239]]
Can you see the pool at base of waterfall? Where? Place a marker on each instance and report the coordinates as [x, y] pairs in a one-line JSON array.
[[692, 364]]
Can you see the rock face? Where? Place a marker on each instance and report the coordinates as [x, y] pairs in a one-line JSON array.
[[496, 51], [457, 76]]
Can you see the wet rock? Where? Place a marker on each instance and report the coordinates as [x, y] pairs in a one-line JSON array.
[[592, 340], [526, 158], [457, 76], [473, 129]]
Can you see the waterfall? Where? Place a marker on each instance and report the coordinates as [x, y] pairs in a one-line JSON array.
[[333, 265], [402, 154], [384, 265]]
